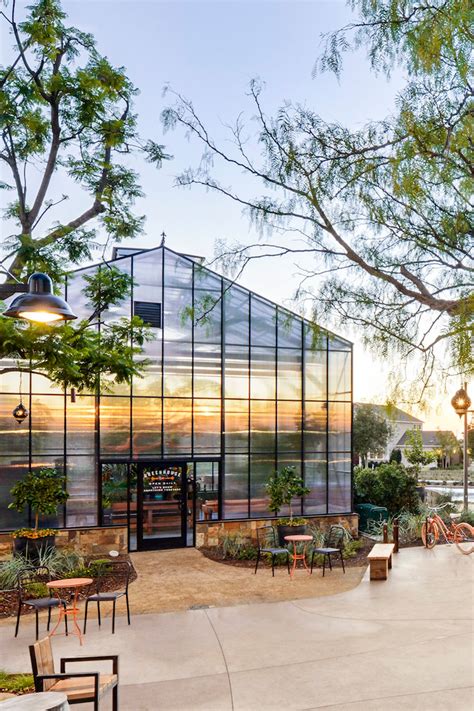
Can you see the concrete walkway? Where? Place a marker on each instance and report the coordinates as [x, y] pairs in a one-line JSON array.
[[405, 643]]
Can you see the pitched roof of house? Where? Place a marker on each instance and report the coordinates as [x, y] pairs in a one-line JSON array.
[[430, 438], [391, 412]]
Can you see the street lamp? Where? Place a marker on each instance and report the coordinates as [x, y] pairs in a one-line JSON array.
[[461, 403], [38, 304]]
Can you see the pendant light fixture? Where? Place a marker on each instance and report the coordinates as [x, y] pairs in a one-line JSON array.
[[20, 413], [39, 304]]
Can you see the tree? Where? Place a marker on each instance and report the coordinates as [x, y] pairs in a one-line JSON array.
[[67, 113], [395, 456], [43, 491], [389, 485], [447, 446], [282, 487], [370, 432], [415, 454], [384, 209]]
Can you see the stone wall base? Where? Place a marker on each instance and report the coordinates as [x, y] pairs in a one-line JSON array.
[[87, 541], [210, 533]]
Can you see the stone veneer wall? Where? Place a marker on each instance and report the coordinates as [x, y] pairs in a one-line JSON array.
[[87, 541], [209, 533]]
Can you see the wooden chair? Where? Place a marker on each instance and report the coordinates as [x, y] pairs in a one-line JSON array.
[[80, 687], [123, 567], [28, 582]]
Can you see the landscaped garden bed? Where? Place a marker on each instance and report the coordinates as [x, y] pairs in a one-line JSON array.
[[61, 564]]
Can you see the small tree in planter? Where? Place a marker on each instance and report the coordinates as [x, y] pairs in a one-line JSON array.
[[43, 491], [282, 487]]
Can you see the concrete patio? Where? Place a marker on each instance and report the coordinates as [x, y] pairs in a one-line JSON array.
[[401, 644]]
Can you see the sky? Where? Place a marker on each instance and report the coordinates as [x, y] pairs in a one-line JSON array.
[[209, 52]]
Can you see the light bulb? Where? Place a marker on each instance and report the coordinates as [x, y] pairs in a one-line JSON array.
[[40, 316]]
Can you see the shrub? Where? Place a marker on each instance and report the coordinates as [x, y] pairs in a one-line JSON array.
[[16, 683], [60, 563], [390, 485], [238, 547], [467, 517]]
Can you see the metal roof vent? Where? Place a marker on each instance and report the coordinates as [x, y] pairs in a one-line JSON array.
[[149, 312]]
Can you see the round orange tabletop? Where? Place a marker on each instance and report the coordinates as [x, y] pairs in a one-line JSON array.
[[299, 538], [69, 583]]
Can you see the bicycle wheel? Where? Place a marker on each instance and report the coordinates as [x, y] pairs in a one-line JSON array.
[[429, 534], [464, 538]]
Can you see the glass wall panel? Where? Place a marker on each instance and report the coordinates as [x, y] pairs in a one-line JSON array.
[[207, 489], [114, 494], [289, 330], [262, 466], [178, 314], [150, 382], [125, 307], [147, 273], [80, 424], [315, 477], [178, 271], [146, 420], [115, 427], [207, 306], [315, 386], [262, 373], [236, 315], [207, 371], [10, 382], [339, 381], [315, 339], [132, 523], [289, 374], [177, 425], [262, 425], [42, 384], [207, 426], [12, 469], [75, 286], [339, 439], [262, 322], [178, 369], [289, 426], [315, 426], [236, 371], [339, 483], [47, 424], [14, 437], [235, 486], [236, 425], [81, 507], [338, 344]]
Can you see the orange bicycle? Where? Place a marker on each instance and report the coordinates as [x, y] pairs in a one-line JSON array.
[[462, 534]]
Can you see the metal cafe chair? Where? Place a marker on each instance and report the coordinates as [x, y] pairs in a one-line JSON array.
[[99, 596], [266, 543], [333, 545], [29, 582]]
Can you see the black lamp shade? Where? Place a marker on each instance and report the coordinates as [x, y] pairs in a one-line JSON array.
[[20, 413], [40, 304]]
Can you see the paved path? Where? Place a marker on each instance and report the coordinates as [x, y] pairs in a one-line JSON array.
[[405, 643]]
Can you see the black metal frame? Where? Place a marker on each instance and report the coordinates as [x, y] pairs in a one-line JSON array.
[[40, 678], [37, 603], [112, 597], [271, 550]]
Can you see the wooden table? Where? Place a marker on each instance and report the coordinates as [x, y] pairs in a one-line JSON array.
[[298, 556], [71, 609]]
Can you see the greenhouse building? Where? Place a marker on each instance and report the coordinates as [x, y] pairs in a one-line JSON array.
[[235, 388]]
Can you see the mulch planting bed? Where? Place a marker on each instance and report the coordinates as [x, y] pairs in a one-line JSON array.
[[357, 561], [109, 582]]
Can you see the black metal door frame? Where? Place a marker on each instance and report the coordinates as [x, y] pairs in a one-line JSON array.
[[144, 544]]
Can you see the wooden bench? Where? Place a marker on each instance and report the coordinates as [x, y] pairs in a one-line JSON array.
[[380, 560]]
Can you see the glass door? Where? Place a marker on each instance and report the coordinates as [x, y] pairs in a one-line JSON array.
[[162, 510]]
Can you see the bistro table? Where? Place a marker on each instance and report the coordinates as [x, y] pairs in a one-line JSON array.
[[42, 701], [71, 609], [298, 556]]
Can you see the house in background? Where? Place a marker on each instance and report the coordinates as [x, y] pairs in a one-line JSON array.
[[400, 423], [443, 442]]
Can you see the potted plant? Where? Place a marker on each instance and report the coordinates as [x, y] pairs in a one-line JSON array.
[[43, 492], [282, 487]]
